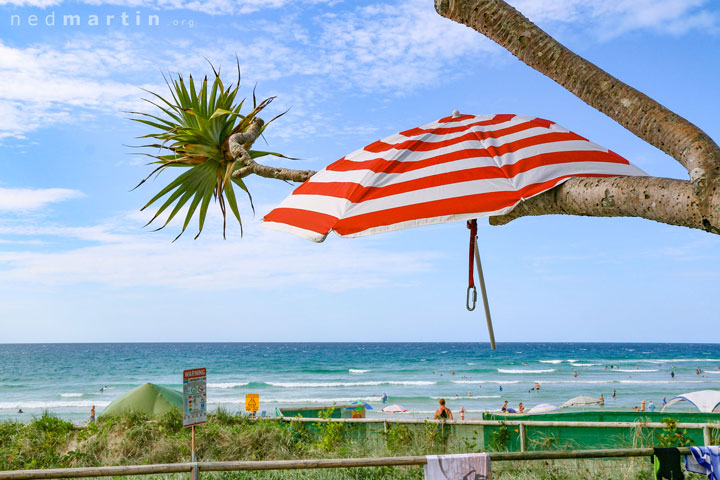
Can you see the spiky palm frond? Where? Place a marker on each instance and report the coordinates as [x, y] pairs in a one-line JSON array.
[[194, 127]]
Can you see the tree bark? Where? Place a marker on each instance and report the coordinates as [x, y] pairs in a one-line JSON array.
[[637, 112], [693, 204]]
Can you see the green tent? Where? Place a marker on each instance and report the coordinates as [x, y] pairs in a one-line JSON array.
[[150, 399]]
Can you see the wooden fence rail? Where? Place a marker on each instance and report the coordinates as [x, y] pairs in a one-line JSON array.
[[310, 464]]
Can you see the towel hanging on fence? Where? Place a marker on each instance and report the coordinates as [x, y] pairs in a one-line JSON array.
[[467, 466], [704, 460], [667, 464]]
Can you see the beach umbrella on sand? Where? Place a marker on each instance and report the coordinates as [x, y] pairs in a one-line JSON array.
[[582, 401], [461, 167], [542, 408], [394, 409]]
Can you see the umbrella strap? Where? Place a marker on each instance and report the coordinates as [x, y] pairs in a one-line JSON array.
[[471, 298]]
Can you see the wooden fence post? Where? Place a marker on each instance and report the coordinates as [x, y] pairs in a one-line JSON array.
[[523, 445]]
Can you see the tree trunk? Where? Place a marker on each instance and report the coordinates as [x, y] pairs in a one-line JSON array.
[[694, 203], [669, 201]]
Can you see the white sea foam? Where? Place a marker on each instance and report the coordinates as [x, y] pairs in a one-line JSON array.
[[585, 364], [648, 382], [555, 362], [652, 382], [633, 370], [66, 395], [357, 371], [512, 370], [51, 404], [499, 382], [227, 384], [474, 397], [418, 383], [472, 363]]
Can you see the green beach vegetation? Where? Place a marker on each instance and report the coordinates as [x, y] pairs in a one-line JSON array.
[[131, 439]]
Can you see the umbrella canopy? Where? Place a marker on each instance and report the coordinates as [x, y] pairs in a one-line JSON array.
[[707, 401], [582, 401], [367, 405], [542, 408], [150, 399], [394, 409], [457, 168]]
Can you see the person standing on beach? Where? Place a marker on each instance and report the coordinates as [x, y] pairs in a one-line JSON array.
[[92, 414], [462, 413], [443, 413], [521, 409], [613, 393], [642, 406]]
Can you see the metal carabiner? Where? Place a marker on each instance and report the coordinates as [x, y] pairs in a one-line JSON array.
[[474, 298]]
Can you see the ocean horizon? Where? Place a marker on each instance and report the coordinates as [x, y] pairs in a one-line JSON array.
[[67, 379]]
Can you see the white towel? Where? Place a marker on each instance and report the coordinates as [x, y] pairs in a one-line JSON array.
[[704, 460], [466, 466]]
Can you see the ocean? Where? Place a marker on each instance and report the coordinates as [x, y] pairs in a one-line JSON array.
[[66, 379]]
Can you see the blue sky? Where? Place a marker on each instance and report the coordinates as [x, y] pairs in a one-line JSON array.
[[76, 264]]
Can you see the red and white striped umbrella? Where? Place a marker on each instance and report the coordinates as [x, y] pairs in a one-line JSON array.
[[395, 409], [457, 168]]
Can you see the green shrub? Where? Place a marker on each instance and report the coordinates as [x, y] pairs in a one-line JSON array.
[[498, 440], [398, 438]]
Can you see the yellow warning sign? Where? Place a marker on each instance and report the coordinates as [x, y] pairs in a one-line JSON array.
[[252, 402]]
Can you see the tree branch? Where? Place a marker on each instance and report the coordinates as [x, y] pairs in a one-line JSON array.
[[695, 205], [665, 200], [239, 145], [637, 112]]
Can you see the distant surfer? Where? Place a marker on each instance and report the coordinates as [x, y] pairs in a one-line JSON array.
[[602, 400], [672, 373], [575, 374], [384, 397], [613, 393], [20, 410], [500, 386], [537, 387]]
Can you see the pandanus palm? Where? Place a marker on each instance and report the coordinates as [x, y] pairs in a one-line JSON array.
[[202, 129]]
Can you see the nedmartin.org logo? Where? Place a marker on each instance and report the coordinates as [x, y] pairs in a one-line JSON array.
[[123, 19]]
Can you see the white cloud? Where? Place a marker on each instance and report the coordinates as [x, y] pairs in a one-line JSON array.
[[121, 255], [385, 49], [212, 7], [610, 18], [42, 85], [24, 199], [32, 3]]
